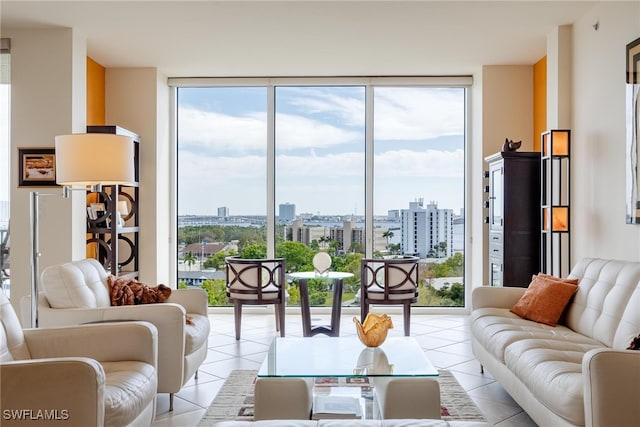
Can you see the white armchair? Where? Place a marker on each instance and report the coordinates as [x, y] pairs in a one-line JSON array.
[[90, 375], [77, 292]]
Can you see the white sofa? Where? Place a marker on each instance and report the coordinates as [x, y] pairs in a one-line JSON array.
[[77, 292], [575, 374], [354, 423]]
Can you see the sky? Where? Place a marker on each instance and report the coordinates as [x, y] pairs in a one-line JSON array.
[[320, 149]]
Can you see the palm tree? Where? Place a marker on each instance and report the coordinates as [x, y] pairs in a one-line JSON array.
[[388, 234], [189, 259]]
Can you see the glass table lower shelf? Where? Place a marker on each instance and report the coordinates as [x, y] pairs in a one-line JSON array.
[[343, 372]]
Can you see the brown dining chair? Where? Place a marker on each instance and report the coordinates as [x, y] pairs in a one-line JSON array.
[[389, 282], [256, 282]]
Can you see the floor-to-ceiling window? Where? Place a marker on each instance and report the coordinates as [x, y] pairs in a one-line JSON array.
[[418, 174], [221, 180], [352, 167], [5, 160]]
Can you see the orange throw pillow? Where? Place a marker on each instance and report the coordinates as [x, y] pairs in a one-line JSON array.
[[545, 299], [557, 279]]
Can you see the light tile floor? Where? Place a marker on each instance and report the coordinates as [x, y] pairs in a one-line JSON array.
[[445, 338]]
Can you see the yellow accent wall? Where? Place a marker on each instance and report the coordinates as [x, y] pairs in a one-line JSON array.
[[95, 117], [95, 93], [539, 101]]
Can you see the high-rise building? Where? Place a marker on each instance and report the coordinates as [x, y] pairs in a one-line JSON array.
[[426, 232], [350, 237], [223, 212], [393, 215], [286, 212]]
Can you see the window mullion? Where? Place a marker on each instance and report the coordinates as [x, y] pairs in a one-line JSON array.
[[368, 172], [271, 171]]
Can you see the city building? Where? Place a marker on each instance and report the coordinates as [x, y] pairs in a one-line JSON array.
[[286, 212], [426, 232], [223, 212], [202, 250], [350, 236]]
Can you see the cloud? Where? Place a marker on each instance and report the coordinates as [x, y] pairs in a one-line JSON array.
[[417, 113], [294, 132], [320, 151], [207, 131]]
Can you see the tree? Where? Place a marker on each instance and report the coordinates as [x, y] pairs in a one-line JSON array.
[[217, 260], [297, 256], [394, 248], [216, 291], [324, 241], [334, 246], [388, 234], [254, 251], [189, 259], [442, 249]]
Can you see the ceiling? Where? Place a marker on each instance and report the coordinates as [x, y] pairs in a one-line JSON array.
[[303, 38]]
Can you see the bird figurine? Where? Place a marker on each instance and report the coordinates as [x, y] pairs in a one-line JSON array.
[[510, 145]]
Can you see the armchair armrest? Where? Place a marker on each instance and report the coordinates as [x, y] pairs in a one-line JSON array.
[[106, 342], [611, 387], [487, 296], [193, 300], [65, 391]]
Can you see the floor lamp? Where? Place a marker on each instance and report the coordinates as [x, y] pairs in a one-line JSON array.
[[82, 160]]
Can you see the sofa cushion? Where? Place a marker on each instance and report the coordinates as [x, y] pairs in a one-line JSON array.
[[79, 284], [196, 332], [497, 328], [353, 423], [129, 386], [552, 371], [606, 304], [545, 299]]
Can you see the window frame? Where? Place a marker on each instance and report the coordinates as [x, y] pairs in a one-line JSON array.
[[270, 83]]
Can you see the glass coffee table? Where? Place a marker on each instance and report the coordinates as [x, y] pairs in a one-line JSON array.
[[343, 366]]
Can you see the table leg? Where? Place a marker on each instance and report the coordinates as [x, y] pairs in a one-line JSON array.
[[304, 307], [336, 308]]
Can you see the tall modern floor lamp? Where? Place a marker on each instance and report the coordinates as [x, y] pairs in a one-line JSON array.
[[82, 160]]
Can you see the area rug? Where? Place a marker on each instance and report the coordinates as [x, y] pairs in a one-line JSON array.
[[235, 400]]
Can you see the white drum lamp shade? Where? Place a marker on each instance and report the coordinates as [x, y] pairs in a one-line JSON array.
[[91, 159]]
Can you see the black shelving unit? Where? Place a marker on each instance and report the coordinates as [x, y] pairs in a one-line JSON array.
[[116, 245], [555, 212]]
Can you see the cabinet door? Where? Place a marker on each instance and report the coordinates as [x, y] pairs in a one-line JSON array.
[[496, 196], [495, 272]]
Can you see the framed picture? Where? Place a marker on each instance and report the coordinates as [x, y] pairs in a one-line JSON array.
[[633, 62], [37, 167]]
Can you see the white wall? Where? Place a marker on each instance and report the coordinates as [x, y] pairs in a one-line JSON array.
[[137, 99], [598, 133], [48, 93], [507, 112]]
